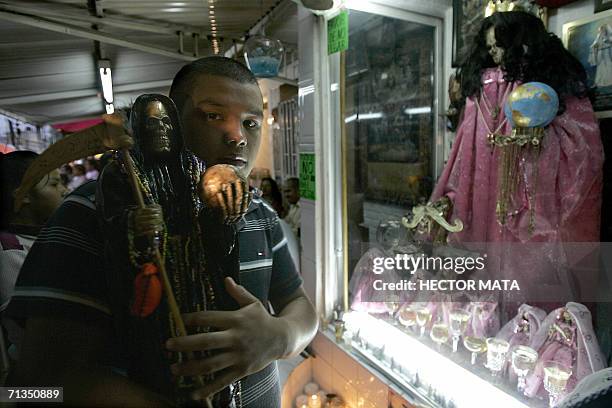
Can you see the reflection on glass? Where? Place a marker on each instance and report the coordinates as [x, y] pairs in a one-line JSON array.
[[556, 376], [388, 120], [475, 345], [523, 361]]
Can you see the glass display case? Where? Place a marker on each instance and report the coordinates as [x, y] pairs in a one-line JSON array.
[[386, 93]]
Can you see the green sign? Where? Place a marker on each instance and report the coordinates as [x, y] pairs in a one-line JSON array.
[[337, 33], [307, 175]]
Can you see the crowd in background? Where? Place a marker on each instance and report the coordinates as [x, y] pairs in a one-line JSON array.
[[78, 172]]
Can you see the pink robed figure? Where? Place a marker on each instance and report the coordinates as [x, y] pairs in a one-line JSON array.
[[557, 200], [577, 348]]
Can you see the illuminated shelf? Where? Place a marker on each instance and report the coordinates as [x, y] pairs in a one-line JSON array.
[[438, 378]]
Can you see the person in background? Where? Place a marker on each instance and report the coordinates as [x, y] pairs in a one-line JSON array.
[[78, 177], [292, 195], [91, 169], [19, 229], [66, 174], [272, 194]]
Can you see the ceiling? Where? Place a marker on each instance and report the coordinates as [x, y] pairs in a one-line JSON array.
[[49, 49]]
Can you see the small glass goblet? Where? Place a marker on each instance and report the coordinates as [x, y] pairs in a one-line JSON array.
[[423, 316], [439, 334], [475, 345], [458, 319], [523, 361], [556, 376], [497, 351], [407, 316], [392, 304]]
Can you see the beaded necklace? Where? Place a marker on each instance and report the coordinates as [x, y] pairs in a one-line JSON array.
[[183, 256]]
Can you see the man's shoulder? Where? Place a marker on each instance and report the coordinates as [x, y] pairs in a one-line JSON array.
[[260, 216], [85, 195], [259, 208]]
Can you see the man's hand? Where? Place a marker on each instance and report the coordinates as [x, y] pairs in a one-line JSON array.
[[223, 190], [247, 341], [117, 134], [148, 221]]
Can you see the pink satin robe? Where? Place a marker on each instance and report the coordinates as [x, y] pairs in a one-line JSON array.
[[567, 192]]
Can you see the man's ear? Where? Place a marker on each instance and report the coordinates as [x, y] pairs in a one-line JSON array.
[[180, 99]]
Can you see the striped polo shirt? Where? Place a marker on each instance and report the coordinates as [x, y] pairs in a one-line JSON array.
[[64, 273]]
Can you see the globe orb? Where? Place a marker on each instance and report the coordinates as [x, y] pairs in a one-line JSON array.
[[532, 104]]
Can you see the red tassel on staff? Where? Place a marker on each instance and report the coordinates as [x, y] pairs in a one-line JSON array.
[[147, 291]]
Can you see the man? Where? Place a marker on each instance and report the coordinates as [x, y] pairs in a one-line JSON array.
[[70, 336], [292, 195]]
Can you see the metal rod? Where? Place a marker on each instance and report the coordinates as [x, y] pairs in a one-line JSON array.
[[181, 48], [344, 178], [196, 44], [89, 34]]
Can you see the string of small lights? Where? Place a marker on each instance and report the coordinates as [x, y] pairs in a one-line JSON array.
[[213, 26]]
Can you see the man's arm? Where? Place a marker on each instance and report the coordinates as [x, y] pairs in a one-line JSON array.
[[67, 353], [298, 315]]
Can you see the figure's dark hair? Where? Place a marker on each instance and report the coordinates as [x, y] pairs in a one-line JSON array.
[[544, 59], [13, 167], [170, 179], [214, 65]]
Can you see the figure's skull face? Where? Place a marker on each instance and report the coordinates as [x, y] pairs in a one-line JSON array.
[[496, 52], [158, 127]]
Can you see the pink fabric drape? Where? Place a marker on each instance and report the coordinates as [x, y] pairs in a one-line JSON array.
[[565, 181], [582, 353]]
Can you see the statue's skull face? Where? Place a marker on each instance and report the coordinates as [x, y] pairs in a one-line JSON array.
[[158, 127], [496, 52]]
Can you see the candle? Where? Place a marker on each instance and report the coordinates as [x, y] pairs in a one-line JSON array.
[[311, 388], [322, 396], [314, 401], [301, 401]]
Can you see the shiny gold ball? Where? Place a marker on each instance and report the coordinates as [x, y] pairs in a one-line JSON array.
[[213, 181]]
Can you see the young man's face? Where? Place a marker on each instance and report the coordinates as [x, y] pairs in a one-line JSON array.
[[222, 121]]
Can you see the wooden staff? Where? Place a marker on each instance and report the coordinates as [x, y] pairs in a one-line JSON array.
[[174, 309]]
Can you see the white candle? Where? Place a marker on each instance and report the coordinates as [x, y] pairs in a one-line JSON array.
[[311, 388], [314, 401], [322, 396], [301, 400]]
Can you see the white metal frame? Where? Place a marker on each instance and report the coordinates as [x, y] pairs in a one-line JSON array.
[[328, 214]]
